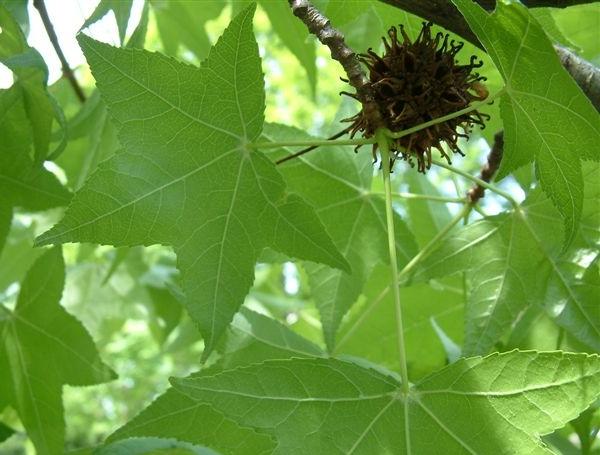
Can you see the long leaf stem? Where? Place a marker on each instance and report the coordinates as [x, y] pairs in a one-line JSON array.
[[313, 142], [426, 250], [479, 181], [426, 197], [383, 142]]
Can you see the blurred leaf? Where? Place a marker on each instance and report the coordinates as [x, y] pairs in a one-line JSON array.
[[31, 75], [353, 216], [546, 115], [5, 432], [45, 347], [294, 35], [166, 312], [22, 183], [580, 23], [18, 10], [121, 10], [330, 406], [181, 22]]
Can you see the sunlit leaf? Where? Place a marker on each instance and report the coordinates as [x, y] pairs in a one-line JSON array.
[[547, 118], [219, 203], [496, 404]]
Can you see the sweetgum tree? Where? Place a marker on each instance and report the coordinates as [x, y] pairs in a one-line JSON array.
[[166, 219]]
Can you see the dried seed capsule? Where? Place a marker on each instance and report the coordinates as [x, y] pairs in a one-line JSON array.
[[415, 82]]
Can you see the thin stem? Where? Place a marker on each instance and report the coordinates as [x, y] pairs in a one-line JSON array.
[[66, 69], [443, 118], [312, 147], [427, 197], [315, 142], [477, 180], [426, 250], [383, 142]]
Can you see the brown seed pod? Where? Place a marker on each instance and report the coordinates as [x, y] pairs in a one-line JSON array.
[[415, 82]]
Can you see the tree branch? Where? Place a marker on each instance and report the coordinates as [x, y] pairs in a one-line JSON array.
[[66, 69], [444, 13], [320, 26], [489, 169]]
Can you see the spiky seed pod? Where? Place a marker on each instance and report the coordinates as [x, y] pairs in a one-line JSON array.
[[415, 82]]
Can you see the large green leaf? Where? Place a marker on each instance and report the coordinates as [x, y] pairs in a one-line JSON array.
[[45, 348], [353, 216], [187, 176], [547, 118], [251, 338], [498, 404], [515, 263]]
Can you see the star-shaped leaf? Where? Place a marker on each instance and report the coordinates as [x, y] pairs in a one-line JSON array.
[[42, 347], [187, 176], [497, 404], [352, 214], [547, 118]]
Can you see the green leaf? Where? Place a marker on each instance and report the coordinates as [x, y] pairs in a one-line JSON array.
[[45, 348], [546, 116], [187, 176], [331, 406], [166, 312], [22, 183], [254, 337], [31, 77], [5, 432], [5, 218], [181, 22], [120, 8], [251, 337], [353, 216], [149, 446], [580, 24], [425, 218], [374, 318], [515, 263], [294, 35]]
